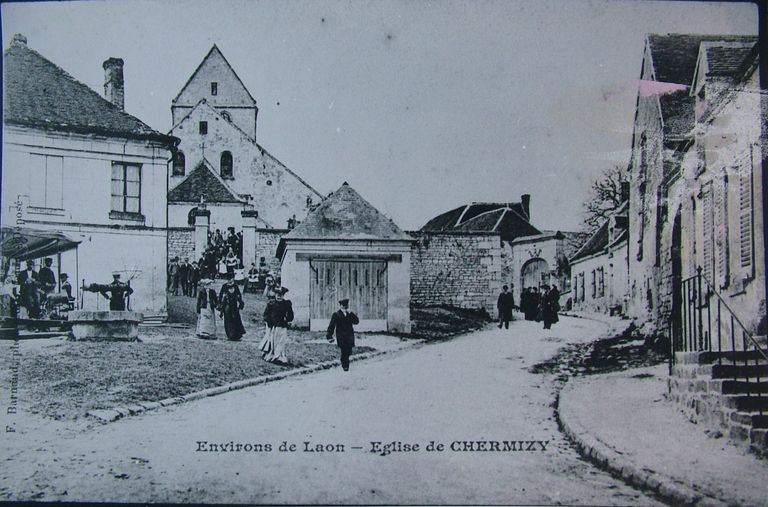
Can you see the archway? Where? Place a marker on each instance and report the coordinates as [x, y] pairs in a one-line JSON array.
[[534, 273]]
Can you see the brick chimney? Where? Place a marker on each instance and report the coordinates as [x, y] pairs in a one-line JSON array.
[[114, 86], [525, 199], [19, 40]]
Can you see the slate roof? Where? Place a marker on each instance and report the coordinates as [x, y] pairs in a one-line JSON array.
[[510, 219], [345, 215], [728, 60], [598, 242], [674, 59], [202, 181], [38, 93]]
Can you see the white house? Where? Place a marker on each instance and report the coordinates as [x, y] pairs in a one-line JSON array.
[[599, 269], [76, 163], [346, 248]]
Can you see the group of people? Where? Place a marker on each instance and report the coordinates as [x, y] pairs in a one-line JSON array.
[[541, 305], [535, 305], [278, 314], [227, 304], [35, 291], [183, 275]]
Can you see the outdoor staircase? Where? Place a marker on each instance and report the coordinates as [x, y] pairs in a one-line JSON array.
[[718, 369], [721, 392]]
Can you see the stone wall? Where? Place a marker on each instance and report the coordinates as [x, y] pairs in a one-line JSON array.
[[181, 242], [462, 270], [266, 246]]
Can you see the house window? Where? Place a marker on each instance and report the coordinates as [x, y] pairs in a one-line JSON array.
[[600, 282], [576, 287], [178, 164], [203, 128], [214, 88], [594, 284], [46, 181], [746, 203], [225, 166], [581, 285], [126, 188]]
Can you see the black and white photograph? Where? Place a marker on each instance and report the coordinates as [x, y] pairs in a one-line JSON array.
[[384, 252]]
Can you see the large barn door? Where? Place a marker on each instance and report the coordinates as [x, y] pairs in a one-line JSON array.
[[364, 283]]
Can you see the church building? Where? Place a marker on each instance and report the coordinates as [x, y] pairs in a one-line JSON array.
[[219, 161]]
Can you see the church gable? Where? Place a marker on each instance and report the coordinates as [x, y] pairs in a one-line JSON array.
[[216, 81]]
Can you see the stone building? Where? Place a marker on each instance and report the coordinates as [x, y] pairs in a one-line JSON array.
[[346, 248], [688, 93], [599, 269], [78, 164], [528, 256], [219, 160]]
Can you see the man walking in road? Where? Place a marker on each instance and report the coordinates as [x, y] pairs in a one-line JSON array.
[[505, 304], [342, 322]]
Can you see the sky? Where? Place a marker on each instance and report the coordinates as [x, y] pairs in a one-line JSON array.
[[421, 106]]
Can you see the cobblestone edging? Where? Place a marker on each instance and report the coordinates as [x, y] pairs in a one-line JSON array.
[[604, 457], [115, 413]]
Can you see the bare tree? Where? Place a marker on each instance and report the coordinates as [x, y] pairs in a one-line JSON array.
[[605, 196]]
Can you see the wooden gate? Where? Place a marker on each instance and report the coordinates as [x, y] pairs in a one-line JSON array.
[[364, 283]]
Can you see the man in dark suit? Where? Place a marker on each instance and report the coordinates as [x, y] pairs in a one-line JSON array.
[[505, 304], [116, 292], [28, 290], [342, 322]]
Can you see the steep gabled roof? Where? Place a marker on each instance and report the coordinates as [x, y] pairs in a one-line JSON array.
[[213, 54], [510, 219], [203, 182], [345, 215], [40, 94], [601, 239], [674, 58]]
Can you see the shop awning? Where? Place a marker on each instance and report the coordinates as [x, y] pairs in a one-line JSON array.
[[22, 243]]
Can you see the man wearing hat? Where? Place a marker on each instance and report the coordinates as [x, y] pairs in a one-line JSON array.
[[116, 292], [342, 322]]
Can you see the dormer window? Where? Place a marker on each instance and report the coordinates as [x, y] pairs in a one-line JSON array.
[[214, 88]]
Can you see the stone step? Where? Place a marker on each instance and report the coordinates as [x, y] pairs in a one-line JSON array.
[[758, 438], [712, 357], [750, 419], [746, 403], [725, 371], [739, 386]]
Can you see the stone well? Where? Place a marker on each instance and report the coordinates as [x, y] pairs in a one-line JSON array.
[[105, 326]]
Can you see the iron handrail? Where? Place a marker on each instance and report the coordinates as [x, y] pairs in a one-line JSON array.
[[722, 301]]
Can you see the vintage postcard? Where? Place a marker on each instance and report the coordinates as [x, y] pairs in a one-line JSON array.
[[384, 252]]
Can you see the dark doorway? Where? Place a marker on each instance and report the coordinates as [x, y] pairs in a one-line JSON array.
[[677, 283]]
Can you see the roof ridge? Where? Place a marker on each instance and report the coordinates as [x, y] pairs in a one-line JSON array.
[[200, 65]]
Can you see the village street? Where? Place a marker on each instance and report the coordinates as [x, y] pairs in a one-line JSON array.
[[476, 387]]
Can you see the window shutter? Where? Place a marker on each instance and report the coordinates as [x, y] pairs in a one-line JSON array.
[[720, 233], [746, 254], [707, 231]]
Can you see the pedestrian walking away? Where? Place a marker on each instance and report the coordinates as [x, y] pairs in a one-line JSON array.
[[207, 302], [342, 323], [230, 304], [550, 305], [277, 315], [505, 305]]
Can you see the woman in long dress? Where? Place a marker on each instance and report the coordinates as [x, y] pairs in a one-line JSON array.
[[207, 302], [230, 304], [277, 315]]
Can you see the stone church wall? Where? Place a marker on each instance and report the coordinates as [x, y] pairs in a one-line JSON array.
[[181, 243]]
